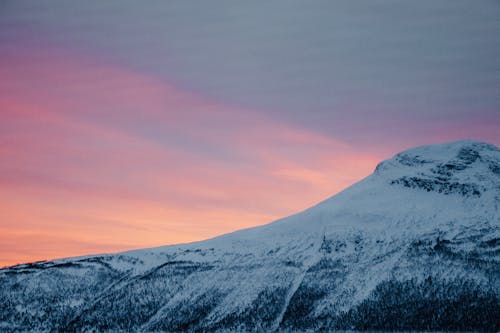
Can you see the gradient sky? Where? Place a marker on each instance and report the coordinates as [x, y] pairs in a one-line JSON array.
[[126, 124]]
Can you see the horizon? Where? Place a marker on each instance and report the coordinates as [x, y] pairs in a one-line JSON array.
[[130, 126]]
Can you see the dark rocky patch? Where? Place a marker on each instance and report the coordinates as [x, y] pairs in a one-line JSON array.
[[439, 186]]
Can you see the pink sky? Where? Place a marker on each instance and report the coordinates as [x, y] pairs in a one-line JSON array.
[[99, 158], [125, 126]]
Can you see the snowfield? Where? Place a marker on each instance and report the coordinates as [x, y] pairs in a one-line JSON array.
[[415, 245]]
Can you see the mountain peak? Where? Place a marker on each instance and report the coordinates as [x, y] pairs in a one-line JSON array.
[[467, 168], [384, 254]]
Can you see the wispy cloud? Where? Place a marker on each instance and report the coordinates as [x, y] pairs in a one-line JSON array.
[[106, 156]]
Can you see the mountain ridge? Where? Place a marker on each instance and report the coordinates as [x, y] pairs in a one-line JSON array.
[[415, 245]]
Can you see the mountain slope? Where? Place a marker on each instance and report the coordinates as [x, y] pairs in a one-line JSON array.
[[416, 245]]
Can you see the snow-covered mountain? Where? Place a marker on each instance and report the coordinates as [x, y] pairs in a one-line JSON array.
[[416, 245]]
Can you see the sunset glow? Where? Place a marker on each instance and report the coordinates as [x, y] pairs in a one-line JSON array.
[[101, 151], [97, 165]]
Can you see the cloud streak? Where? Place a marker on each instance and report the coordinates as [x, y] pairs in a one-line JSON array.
[[101, 158]]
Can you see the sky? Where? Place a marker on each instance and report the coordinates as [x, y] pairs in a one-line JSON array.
[[128, 124]]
